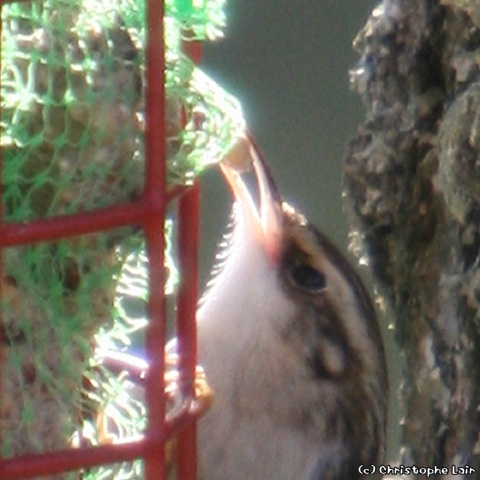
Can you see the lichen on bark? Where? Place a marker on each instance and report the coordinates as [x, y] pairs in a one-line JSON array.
[[413, 197]]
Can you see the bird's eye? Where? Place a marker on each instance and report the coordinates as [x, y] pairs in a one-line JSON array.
[[308, 278]]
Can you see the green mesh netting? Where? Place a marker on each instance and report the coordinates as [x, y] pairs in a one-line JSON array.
[[72, 128], [72, 100]]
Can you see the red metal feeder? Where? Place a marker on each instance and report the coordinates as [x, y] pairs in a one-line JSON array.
[[148, 213]]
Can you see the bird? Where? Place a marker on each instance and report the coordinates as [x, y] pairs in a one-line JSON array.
[[290, 344], [292, 380]]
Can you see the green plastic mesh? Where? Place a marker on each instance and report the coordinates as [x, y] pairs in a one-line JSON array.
[[56, 297], [72, 100], [198, 19], [72, 134]]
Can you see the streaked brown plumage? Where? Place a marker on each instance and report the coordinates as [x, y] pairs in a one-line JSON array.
[[291, 347]]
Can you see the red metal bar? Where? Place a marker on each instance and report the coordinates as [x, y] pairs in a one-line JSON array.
[[188, 242], [65, 226], [73, 459], [28, 466], [194, 50], [149, 213], [155, 195], [188, 231]]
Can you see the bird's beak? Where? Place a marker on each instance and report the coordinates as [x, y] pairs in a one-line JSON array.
[[264, 220]]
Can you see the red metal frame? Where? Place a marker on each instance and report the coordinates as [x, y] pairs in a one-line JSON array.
[[149, 213], [188, 231]]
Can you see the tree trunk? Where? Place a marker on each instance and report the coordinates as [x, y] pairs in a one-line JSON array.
[[412, 182]]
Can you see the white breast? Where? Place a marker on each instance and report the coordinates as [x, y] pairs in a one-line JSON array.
[[246, 434]]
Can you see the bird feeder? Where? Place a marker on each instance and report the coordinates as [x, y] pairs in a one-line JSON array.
[[105, 123]]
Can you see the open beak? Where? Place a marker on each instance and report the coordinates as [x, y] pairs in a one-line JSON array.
[[264, 220]]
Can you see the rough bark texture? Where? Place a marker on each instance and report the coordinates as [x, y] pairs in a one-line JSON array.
[[413, 194]]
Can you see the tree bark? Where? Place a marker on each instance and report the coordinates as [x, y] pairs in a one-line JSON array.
[[412, 184]]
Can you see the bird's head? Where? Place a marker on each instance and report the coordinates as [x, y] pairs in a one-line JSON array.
[[276, 242], [287, 326]]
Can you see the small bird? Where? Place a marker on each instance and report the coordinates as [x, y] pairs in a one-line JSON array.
[[291, 348]]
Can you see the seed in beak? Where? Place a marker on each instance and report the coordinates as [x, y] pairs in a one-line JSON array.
[[265, 221]]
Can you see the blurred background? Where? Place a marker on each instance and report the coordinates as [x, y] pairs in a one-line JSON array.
[[287, 62]]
